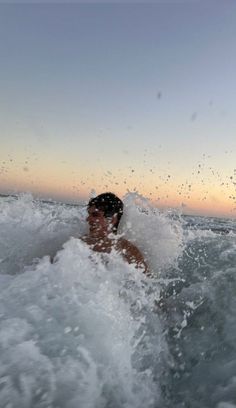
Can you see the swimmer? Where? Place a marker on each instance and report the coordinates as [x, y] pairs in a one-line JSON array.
[[104, 214]]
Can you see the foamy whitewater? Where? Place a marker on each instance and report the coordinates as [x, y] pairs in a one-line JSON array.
[[90, 331]]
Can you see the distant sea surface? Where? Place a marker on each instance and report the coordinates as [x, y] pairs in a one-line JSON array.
[[90, 331]]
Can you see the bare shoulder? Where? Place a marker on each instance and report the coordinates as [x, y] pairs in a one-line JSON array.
[[124, 244], [131, 253]]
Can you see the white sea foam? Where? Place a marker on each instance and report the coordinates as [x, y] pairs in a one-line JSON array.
[[92, 331], [80, 332], [31, 229], [73, 334], [158, 236]]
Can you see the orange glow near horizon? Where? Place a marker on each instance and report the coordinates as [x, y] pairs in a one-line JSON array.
[[163, 191], [197, 190]]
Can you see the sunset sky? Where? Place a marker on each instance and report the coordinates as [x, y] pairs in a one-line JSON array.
[[120, 97]]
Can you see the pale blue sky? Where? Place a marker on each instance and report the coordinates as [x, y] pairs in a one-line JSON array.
[[109, 86]]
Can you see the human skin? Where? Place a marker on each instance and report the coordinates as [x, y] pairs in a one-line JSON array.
[[101, 238]]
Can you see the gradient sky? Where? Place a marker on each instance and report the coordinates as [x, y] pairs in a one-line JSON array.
[[120, 97]]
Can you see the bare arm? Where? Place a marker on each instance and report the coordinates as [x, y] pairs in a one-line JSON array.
[[132, 255]]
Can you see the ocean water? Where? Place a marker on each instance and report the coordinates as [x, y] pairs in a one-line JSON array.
[[90, 331]]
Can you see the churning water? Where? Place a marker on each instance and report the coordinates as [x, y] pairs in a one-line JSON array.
[[91, 331]]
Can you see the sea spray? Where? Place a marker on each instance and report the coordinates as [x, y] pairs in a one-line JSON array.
[[83, 338], [91, 331]]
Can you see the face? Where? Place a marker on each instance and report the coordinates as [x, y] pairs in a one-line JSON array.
[[99, 225]]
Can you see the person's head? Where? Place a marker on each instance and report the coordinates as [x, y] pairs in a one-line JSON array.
[[104, 213]]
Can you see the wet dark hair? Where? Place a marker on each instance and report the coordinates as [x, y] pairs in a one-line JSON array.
[[110, 204]]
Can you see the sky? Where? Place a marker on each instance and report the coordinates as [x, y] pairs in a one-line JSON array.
[[120, 97]]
